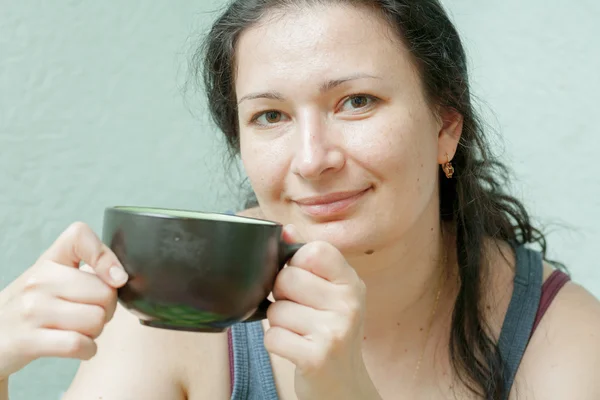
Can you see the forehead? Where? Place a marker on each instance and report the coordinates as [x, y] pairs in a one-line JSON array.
[[316, 43]]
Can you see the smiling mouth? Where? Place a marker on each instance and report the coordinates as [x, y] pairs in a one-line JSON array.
[[332, 204]]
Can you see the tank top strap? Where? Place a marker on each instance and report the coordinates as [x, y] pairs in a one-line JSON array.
[[521, 313], [251, 371]]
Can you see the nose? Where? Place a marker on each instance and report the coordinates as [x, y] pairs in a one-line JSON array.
[[318, 152]]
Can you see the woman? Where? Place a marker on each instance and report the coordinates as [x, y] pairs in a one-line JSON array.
[[354, 123]]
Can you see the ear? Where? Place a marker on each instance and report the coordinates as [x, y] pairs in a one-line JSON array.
[[449, 135]]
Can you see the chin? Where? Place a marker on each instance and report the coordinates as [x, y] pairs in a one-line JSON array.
[[349, 236]]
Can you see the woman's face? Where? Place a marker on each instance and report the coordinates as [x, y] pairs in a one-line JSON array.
[[336, 136]]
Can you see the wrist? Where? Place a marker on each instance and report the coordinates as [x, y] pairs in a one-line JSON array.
[[366, 387], [4, 388], [369, 392]]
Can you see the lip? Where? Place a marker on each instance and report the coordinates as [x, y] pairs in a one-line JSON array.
[[331, 204]]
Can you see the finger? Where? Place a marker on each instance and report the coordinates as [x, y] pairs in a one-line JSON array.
[[71, 284], [289, 345], [294, 317], [110, 301], [304, 287], [79, 243], [291, 234], [89, 320], [324, 260], [42, 311], [59, 343], [111, 306]]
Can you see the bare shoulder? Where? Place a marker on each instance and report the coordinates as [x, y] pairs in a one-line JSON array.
[[563, 356], [562, 359], [137, 362]]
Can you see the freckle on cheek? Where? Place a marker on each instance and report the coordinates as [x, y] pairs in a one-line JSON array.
[[369, 252]]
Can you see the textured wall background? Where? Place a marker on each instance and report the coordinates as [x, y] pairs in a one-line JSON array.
[[92, 114]]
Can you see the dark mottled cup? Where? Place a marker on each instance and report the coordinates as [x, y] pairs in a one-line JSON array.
[[195, 271]]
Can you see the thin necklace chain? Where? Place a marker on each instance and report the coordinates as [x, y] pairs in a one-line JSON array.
[[431, 318]]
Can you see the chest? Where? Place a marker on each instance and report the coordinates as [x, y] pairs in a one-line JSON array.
[[392, 382]]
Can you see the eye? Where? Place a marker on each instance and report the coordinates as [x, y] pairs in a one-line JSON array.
[[266, 118], [358, 102], [272, 117]]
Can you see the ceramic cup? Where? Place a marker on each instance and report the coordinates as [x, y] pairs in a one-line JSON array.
[[195, 271]]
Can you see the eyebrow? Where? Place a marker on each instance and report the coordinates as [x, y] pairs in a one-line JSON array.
[[332, 84], [264, 95], [325, 87]]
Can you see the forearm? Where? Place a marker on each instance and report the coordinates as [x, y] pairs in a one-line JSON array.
[[4, 389]]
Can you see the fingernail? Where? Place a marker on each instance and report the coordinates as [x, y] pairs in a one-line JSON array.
[[118, 275]]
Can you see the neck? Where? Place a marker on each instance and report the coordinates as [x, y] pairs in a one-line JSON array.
[[403, 280]]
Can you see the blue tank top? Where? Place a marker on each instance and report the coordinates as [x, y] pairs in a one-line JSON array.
[[252, 375]]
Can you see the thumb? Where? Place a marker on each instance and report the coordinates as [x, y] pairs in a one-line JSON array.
[[79, 243]]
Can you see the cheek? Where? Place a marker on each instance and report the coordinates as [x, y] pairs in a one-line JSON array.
[[399, 149], [265, 165]]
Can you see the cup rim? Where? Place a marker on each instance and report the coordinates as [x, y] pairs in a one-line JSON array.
[[184, 214]]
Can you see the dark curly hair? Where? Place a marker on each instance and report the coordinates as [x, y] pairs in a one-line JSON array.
[[474, 202]]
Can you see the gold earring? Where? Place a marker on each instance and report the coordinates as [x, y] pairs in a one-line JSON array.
[[448, 168]]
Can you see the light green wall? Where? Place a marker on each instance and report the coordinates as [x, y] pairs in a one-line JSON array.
[[91, 115]]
